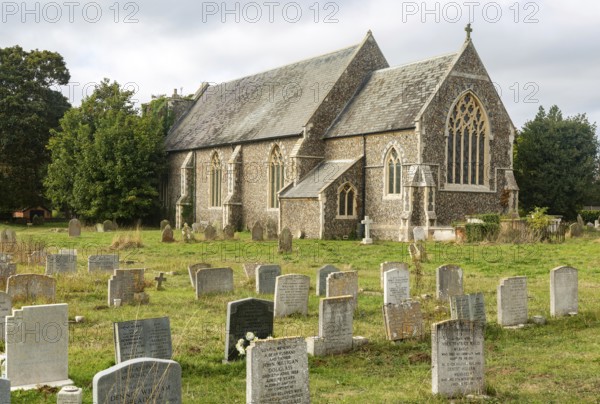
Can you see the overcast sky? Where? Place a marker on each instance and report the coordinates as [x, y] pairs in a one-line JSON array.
[[538, 53]]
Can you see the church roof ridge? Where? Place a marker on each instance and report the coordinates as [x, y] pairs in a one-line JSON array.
[[426, 60]]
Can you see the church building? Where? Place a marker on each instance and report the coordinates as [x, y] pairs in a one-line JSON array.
[[317, 145]]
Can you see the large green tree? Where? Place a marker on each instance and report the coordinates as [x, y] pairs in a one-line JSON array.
[[556, 162], [30, 105], [106, 159]]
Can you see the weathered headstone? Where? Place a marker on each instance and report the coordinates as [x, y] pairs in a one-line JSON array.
[[285, 241], [271, 229], [74, 228], [187, 234], [11, 236], [343, 284], [419, 233], [4, 390], [250, 269], [42, 358], [210, 233], [580, 220], [104, 262], [99, 228], [5, 310], [108, 226], [37, 258], [243, 316], [141, 380], [386, 266], [257, 232], [69, 395], [163, 224], [576, 230], [196, 228], [61, 264], [396, 286], [449, 281], [512, 301], [457, 358], [31, 287], [228, 232], [7, 269], [564, 293], [291, 295], [277, 371], [5, 258], [336, 315], [403, 320], [192, 269], [125, 284], [213, 280], [322, 274], [167, 235], [265, 278], [147, 338], [468, 307]]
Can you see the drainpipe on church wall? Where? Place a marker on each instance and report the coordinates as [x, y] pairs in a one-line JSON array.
[[364, 185]]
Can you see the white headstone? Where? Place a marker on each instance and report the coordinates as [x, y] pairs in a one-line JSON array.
[[386, 266], [564, 294], [396, 286], [291, 295], [512, 301], [192, 269], [419, 233]]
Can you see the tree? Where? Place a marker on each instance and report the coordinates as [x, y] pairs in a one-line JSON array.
[[107, 160], [556, 162], [30, 106]]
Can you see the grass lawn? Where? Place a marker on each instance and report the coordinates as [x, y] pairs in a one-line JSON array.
[[558, 362]]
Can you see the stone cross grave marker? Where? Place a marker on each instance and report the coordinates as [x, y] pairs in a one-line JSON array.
[[386, 266], [31, 287], [244, 316], [210, 233], [322, 274], [257, 232], [457, 358], [147, 338], [167, 235], [291, 295], [419, 234], [103, 263], [468, 307], [265, 278], [159, 280], [336, 315], [61, 264], [44, 360], [145, 380], [74, 228], [213, 280], [512, 301], [277, 371], [449, 281], [192, 269], [396, 285], [367, 239], [403, 320], [564, 299], [285, 241], [343, 284]]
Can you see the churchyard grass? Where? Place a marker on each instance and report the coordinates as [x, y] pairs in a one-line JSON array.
[[557, 362]]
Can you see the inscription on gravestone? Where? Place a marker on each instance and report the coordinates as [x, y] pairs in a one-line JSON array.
[[149, 338], [468, 307], [291, 295], [61, 263], [396, 286], [108, 262], [386, 266], [403, 320], [512, 301]]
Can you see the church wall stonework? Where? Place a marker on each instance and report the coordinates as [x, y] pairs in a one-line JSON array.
[[305, 217], [204, 212], [174, 162]]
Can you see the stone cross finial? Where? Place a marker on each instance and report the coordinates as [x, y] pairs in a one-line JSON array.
[[468, 30], [159, 280]]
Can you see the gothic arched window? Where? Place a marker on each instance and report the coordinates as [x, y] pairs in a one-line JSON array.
[[276, 176], [393, 173], [216, 177], [347, 200]]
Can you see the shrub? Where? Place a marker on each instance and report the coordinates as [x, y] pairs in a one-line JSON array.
[[589, 216], [482, 231]]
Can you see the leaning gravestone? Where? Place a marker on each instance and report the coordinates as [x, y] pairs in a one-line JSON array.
[[7, 269], [336, 315], [148, 338], [74, 228], [244, 316], [576, 230], [105, 262], [386, 266], [512, 301], [580, 220], [277, 371], [291, 295], [213, 280], [322, 274], [468, 307], [563, 291], [449, 281], [396, 286], [5, 310], [192, 269], [167, 235], [33, 361], [4, 391], [257, 232], [457, 359], [419, 233], [228, 232], [250, 269], [141, 380], [403, 320], [163, 224], [126, 285], [31, 287], [265, 278], [343, 284], [61, 264], [285, 241], [210, 233]]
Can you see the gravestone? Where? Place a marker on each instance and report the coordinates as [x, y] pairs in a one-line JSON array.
[[250, 269], [213, 280], [277, 371], [11, 236], [563, 291], [386, 266], [228, 232], [576, 230], [291, 295], [192, 269], [457, 358], [167, 235], [265, 278], [449, 281], [61, 264], [141, 380], [419, 234], [187, 234], [210, 233], [163, 224], [243, 316], [468, 307], [109, 226], [68, 251], [322, 274], [41, 358], [3, 237], [69, 395], [367, 239], [104, 262], [74, 228], [99, 228], [7, 269], [343, 284], [512, 301], [5, 310], [580, 220], [336, 315], [147, 338], [257, 232], [125, 284], [271, 229], [403, 320], [196, 228], [37, 258], [31, 287], [396, 286], [4, 390], [159, 280], [284, 244]]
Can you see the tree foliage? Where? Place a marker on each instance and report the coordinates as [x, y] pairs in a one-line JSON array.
[[556, 162], [30, 105], [107, 160]]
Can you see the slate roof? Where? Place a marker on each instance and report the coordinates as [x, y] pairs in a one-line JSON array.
[[276, 103], [319, 178], [391, 99]]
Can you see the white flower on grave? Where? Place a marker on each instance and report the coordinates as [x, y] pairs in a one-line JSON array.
[[250, 336], [240, 346]]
